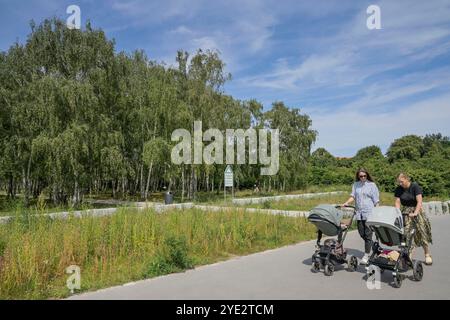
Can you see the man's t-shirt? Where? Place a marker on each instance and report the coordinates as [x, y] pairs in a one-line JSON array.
[[408, 196]]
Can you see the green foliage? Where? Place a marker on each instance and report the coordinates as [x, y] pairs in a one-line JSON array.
[[369, 153], [156, 151], [296, 139], [173, 257], [430, 181], [435, 144], [409, 147], [425, 159], [321, 158], [77, 117], [2, 247], [267, 204], [323, 175]]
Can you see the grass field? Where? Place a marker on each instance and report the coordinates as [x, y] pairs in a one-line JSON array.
[[300, 204], [218, 198], [131, 245]]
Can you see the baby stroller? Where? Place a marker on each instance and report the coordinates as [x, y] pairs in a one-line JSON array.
[[387, 224], [327, 219]]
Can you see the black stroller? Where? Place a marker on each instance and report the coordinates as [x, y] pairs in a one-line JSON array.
[[387, 224], [327, 219]]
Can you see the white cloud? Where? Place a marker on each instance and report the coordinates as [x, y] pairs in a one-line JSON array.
[[238, 29], [341, 132], [353, 53], [181, 30], [151, 12]]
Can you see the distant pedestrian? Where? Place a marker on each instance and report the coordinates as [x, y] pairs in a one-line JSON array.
[[256, 187]]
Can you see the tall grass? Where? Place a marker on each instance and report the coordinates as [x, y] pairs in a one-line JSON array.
[[217, 198], [306, 204], [130, 245]]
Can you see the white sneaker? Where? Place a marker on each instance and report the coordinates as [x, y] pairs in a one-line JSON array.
[[364, 259]]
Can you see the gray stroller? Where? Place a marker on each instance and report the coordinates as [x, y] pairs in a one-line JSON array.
[[327, 219], [387, 224]]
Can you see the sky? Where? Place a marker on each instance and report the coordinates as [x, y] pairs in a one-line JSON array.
[[360, 87]]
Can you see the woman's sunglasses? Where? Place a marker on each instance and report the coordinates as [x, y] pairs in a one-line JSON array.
[[363, 176]]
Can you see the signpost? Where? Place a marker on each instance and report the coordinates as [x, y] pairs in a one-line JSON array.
[[228, 181]]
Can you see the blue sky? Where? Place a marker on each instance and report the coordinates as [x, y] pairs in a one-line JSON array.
[[360, 87]]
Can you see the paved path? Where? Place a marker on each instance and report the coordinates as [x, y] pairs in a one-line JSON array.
[[285, 274]]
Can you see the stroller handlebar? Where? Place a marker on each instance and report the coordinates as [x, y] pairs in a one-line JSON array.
[[347, 206]]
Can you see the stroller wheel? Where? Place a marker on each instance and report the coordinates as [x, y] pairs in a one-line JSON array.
[[397, 281], [315, 267], [417, 270], [329, 269], [315, 264], [370, 273], [352, 263]]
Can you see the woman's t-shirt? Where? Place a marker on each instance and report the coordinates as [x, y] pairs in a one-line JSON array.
[[408, 196]]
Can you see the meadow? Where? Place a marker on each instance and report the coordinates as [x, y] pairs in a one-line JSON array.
[[137, 244], [129, 246], [306, 204]]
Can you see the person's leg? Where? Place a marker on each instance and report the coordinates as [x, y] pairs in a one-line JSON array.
[[367, 238], [319, 237], [362, 233], [409, 239], [424, 237], [426, 250], [360, 226]]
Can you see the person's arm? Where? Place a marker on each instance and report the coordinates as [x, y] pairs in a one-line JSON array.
[[352, 197], [397, 202], [417, 190], [397, 195], [350, 200], [375, 196], [418, 207]]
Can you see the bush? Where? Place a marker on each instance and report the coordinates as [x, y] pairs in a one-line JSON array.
[[430, 181], [267, 204], [2, 247], [172, 257]]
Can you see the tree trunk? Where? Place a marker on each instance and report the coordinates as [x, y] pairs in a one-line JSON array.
[[182, 184], [114, 188], [76, 194], [141, 185], [148, 180], [11, 193]]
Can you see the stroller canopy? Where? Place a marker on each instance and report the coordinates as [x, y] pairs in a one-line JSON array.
[[327, 218], [385, 216], [387, 222]]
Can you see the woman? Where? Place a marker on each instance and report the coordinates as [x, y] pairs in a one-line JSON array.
[[408, 198], [366, 196]]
